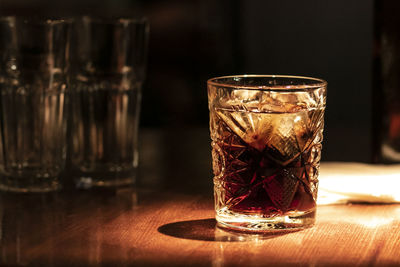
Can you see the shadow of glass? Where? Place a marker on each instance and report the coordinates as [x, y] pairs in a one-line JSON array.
[[208, 230]]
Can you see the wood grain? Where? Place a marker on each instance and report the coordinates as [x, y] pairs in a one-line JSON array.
[[144, 228]]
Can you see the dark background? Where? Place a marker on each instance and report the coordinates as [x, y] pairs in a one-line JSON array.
[[191, 41]]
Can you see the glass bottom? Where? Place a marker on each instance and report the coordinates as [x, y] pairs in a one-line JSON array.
[[258, 223], [87, 180], [29, 184]]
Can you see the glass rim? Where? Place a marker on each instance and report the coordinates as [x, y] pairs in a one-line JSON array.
[[318, 83]]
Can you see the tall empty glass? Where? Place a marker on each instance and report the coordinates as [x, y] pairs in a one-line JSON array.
[[266, 136], [33, 66], [106, 93]]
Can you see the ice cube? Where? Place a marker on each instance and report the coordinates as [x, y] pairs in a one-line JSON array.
[[252, 127], [283, 137], [287, 102], [285, 132]]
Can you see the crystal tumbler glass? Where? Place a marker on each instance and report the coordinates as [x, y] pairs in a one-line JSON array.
[[33, 117], [266, 133]]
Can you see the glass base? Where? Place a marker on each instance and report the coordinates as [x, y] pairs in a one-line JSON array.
[[258, 223], [29, 184], [100, 179]]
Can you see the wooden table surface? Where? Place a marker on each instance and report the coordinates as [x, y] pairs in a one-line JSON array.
[[168, 220], [144, 228]]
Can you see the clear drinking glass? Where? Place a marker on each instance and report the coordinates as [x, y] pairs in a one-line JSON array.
[[33, 84], [266, 136], [108, 73]]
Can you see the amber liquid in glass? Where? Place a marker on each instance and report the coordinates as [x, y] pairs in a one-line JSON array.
[[266, 166]]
